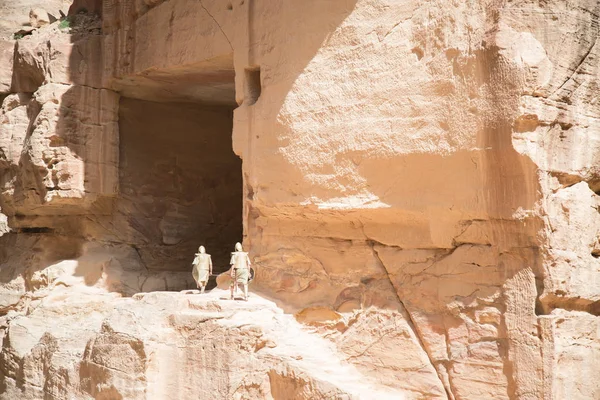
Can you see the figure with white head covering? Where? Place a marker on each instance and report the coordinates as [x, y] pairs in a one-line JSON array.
[[240, 270], [202, 268]]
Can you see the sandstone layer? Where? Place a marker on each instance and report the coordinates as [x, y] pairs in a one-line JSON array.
[[418, 190]]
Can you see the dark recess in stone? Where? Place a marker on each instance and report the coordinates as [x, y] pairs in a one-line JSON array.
[[253, 86], [35, 230]]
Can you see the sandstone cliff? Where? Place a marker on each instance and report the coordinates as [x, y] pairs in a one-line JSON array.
[[416, 183]]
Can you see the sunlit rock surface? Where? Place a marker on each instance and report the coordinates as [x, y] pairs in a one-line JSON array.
[[416, 183]]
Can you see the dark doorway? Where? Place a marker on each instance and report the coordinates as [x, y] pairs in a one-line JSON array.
[[180, 182]]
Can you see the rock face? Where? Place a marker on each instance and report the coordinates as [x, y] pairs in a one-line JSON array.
[[26, 15], [417, 189]]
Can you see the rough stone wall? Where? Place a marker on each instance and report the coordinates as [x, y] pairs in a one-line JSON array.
[[414, 155], [419, 188]]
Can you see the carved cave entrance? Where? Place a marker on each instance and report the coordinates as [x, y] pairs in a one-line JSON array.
[[180, 182]]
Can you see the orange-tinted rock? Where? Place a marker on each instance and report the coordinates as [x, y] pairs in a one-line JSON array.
[[417, 187]]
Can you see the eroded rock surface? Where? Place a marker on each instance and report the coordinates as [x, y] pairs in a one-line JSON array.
[[25, 15], [418, 190], [176, 345]]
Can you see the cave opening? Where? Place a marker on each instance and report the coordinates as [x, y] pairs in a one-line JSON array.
[[180, 182]]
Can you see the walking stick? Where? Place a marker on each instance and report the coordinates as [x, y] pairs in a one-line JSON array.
[[234, 282]]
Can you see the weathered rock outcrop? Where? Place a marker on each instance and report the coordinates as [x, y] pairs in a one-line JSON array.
[[23, 16], [171, 345], [418, 187]]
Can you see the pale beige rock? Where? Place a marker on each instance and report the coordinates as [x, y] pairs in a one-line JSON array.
[[13, 130], [418, 193], [52, 55], [16, 14], [386, 342], [148, 347], [571, 351], [195, 63], [6, 60], [4, 228], [38, 17], [573, 245], [70, 157]]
